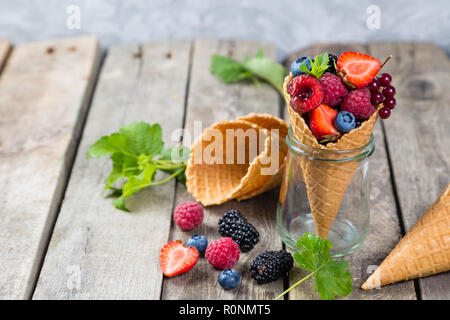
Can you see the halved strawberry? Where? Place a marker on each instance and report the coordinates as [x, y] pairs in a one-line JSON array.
[[321, 123], [175, 258], [356, 69]]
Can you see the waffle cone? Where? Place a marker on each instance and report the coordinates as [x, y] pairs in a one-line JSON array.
[[213, 183], [327, 182], [424, 251]]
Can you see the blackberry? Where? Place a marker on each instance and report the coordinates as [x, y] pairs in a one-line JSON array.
[[271, 265], [332, 60], [235, 226]]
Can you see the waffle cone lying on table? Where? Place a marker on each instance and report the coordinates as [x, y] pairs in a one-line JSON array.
[[213, 183], [424, 251], [333, 104]]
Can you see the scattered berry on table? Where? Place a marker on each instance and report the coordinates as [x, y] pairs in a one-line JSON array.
[[389, 92], [358, 103], [175, 258], [390, 103], [385, 79], [234, 225], [295, 66], [345, 121], [229, 279], [223, 253], [357, 69], [198, 241], [306, 92], [376, 98], [334, 90], [384, 113], [321, 123], [188, 215], [332, 61], [271, 265]]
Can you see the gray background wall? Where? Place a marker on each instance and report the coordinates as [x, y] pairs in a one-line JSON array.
[[288, 23]]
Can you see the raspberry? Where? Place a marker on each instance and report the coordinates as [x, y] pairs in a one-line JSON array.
[[223, 253], [334, 89], [358, 103], [188, 215], [306, 92]]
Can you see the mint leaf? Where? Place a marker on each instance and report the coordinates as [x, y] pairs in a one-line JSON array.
[[318, 67], [255, 68], [331, 277], [137, 152]]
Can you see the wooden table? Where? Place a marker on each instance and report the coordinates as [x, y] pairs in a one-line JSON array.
[[61, 239]]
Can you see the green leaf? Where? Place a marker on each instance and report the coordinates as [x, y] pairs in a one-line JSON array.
[[318, 67], [227, 69], [139, 182], [143, 138], [119, 203], [176, 154], [333, 279], [267, 70], [115, 142]]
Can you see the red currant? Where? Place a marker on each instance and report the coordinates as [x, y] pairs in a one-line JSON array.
[[384, 113], [376, 98], [389, 92], [390, 103], [385, 79], [374, 86]]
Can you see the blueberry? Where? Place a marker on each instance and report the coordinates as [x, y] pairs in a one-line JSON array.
[[198, 241], [345, 121], [229, 279], [295, 66]]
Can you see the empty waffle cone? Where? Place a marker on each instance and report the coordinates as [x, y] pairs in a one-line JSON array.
[[213, 182], [424, 251], [327, 182]]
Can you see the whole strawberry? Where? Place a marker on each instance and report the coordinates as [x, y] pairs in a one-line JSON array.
[[188, 215], [358, 103], [334, 90], [223, 253]]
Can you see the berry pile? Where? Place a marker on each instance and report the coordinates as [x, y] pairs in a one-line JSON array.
[[234, 225], [337, 94], [271, 265]]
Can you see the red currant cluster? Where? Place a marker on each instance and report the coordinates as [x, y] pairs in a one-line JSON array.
[[381, 91]]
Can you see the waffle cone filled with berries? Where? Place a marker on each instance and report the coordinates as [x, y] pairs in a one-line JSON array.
[[424, 251], [216, 174], [332, 107]]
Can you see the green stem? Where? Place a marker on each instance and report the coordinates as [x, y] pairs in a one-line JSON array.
[[133, 190], [297, 283]]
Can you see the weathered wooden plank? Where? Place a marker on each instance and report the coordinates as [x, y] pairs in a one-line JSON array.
[[384, 230], [5, 48], [96, 251], [209, 101], [44, 93], [418, 135]]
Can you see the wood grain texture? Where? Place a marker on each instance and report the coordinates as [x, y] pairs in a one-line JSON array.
[[44, 93], [384, 231], [97, 251], [209, 101], [418, 134]]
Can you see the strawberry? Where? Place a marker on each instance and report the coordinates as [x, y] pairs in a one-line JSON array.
[[175, 258], [356, 69], [321, 123]]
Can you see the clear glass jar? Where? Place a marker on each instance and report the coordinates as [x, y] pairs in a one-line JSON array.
[[325, 192]]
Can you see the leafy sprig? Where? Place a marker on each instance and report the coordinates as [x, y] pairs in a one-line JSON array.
[[256, 68], [137, 152], [318, 66], [331, 276]]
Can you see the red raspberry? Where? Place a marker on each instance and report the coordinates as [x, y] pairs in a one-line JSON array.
[[306, 92], [222, 253], [358, 103], [334, 90], [188, 215]]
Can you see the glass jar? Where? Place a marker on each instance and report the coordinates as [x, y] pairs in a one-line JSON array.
[[325, 192]]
